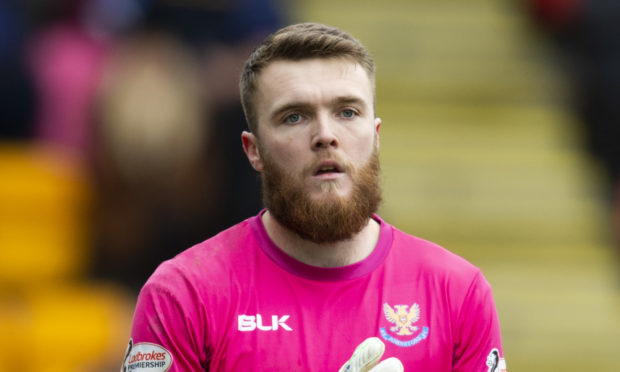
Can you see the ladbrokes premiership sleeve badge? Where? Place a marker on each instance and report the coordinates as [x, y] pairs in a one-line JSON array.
[[146, 357]]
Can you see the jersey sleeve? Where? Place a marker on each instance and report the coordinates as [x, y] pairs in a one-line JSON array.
[[166, 330], [479, 344]]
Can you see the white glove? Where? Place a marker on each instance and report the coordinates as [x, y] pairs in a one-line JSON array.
[[366, 356]]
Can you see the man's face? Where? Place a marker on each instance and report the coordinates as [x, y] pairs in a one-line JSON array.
[[317, 144]]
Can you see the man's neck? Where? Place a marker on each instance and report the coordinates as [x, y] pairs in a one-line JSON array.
[[341, 253]]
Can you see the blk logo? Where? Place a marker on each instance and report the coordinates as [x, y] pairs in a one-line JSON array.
[[249, 323]]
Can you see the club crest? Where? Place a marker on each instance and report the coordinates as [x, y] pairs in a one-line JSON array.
[[403, 318]]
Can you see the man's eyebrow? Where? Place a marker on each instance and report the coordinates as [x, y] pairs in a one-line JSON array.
[[347, 99], [291, 106]]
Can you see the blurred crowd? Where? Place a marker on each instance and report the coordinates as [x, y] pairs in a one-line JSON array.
[[587, 36], [143, 95]]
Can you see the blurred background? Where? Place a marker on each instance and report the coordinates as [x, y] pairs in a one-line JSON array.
[[119, 147]]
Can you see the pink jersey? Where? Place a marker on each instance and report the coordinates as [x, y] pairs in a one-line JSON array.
[[236, 302]]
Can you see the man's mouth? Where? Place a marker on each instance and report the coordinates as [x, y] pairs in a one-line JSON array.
[[327, 168]]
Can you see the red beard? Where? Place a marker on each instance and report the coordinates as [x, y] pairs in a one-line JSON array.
[[330, 219]]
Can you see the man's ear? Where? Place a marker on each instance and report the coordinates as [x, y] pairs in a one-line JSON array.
[[250, 146], [377, 127]]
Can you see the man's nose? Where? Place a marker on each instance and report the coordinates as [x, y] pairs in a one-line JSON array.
[[324, 136]]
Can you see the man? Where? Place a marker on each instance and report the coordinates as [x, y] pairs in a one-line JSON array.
[[316, 273]]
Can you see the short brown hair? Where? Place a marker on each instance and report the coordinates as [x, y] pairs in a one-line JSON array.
[[298, 42]]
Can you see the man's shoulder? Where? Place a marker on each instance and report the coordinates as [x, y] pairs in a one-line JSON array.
[[227, 241], [430, 255], [209, 257]]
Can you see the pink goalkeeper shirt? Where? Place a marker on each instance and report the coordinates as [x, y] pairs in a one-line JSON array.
[[236, 302]]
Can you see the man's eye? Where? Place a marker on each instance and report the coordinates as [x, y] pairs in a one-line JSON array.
[[348, 113], [293, 118]]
